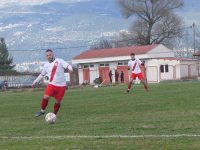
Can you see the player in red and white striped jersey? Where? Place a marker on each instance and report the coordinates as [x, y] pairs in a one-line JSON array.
[[134, 65], [56, 87]]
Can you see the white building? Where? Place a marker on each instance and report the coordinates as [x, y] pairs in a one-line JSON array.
[[160, 64]]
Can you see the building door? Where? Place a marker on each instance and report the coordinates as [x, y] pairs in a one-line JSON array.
[[152, 73], [94, 73], [86, 75], [104, 74]]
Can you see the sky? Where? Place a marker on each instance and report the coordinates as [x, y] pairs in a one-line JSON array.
[[190, 11], [4, 3], [39, 2]]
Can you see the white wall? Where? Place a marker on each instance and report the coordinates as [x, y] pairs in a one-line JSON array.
[[171, 75], [184, 70], [94, 73], [160, 52], [80, 75], [194, 71], [153, 70], [167, 75], [177, 71], [185, 66], [152, 74]]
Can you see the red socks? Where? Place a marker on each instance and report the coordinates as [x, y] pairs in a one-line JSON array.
[[44, 104], [146, 88], [56, 107], [129, 86]]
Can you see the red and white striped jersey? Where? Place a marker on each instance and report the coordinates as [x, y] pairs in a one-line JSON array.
[[55, 72], [135, 65]]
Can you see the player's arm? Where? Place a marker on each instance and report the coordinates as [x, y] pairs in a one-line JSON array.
[[67, 66], [39, 78], [129, 65], [143, 63]]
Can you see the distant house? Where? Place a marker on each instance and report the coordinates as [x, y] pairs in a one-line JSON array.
[[160, 64]]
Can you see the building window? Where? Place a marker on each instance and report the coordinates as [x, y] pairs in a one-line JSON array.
[[164, 68], [85, 66], [126, 63], [91, 66], [104, 65], [123, 63], [120, 64]]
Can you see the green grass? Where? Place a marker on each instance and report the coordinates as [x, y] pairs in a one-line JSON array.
[[167, 109]]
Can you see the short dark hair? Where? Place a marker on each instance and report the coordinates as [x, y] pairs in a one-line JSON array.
[[132, 54], [49, 50]]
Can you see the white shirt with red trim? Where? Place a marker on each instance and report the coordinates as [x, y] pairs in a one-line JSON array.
[[55, 72], [135, 63]]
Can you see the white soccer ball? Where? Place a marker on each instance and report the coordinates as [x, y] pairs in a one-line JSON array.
[[50, 118], [96, 86]]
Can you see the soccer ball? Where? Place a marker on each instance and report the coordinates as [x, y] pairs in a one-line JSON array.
[[50, 118]]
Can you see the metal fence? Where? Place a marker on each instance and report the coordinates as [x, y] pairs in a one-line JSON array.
[[18, 81]]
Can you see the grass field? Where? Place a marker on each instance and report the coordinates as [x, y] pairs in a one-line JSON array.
[[165, 118]]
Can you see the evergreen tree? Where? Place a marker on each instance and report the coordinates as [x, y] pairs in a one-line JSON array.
[[5, 60]]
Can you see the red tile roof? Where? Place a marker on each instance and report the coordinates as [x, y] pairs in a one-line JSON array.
[[115, 52]]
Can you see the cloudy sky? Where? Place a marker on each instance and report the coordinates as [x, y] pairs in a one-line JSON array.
[[4, 3], [190, 12], [191, 7]]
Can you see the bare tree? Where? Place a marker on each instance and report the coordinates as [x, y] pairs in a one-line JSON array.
[[102, 44], [155, 21], [122, 39]]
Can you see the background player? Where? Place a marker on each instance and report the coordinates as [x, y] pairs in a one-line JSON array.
[[134, 66], [56, 87]]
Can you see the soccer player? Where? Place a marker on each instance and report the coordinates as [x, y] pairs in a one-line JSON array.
[[56, 87], [134, 66]]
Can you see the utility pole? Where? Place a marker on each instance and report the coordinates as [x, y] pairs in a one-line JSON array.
[[194, 37]]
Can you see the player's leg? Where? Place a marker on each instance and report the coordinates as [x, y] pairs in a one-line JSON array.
[[44, 102], [130, 83], [60, 92], [49, 92], [57, 106], [43, 105], [143, 80], [145, 84]]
